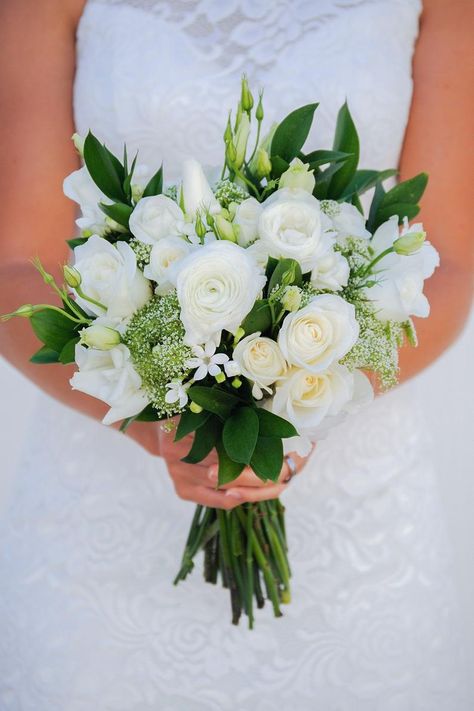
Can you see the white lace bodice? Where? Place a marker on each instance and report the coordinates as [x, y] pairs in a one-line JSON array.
[[170, 71], [89, 618]]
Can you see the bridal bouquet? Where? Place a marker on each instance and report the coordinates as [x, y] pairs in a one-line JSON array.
[[252, 310]]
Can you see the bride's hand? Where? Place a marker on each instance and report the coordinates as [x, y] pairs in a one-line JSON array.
[[198, 482]]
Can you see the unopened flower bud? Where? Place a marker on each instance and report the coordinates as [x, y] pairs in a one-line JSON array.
[[259, 110], [200, 227], [71, 276], [230, 153], [409, 243], [241, 140], [228, 131], [291, 299], [101, 337], [238, 116], [236, 383], [78, 143], [220, 377], [246, 98], [239, 334], [26, 311], [86, 234], [264, 164], [194, 407], [225, 229], [298, 175]]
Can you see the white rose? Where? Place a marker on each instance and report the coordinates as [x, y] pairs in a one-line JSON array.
[[79, 187], [345, 219], [163, 254], [290, 226], [217, 286], [155, 218], [196, 191], [110, 377], [320, 333], [109, 276], [399, 291], [261, 361], [298, 175], [331, 272], [246, 217]]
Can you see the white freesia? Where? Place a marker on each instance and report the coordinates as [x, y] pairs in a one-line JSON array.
[[331, 272], [155, 218], [320, 333], [79, 187], [196, 191], [345, 219], [217, 286], [110, 377], [246, 217], [298, 175], [163, 254], [398, 293], [290, 225], [109, 276], [261, 361]]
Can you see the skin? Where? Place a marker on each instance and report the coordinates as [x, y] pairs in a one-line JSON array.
[[36, 123]]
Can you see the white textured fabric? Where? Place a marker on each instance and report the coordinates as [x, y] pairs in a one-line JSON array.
[[89, 618]]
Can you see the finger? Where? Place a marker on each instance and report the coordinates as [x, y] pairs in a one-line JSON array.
[[208, 497], [246, 478], [244, 494]]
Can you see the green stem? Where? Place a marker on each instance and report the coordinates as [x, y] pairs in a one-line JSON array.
[[377, 259], [90, 300], [249, 563], [41, 307], [248, 182], [256, 142]]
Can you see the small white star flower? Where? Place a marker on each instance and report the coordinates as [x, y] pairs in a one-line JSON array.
[[177, 392], [206, 360]]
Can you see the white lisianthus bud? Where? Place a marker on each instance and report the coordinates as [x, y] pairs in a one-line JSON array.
[[195, 190], [246, 218], [71, 276], [78, 143], [101, 337], [409, 243], [241, 140], [264, 164], [26, 311], [225, 229], [246, 98], [298, 175], [291, 299], [259, 110]]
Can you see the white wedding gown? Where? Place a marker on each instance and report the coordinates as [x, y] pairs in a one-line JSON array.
[[93, 534]]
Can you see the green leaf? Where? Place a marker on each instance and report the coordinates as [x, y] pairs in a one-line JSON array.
[[409, 191], [127, 183], [280, 276], [105, 169], [323, 181], [402, 209], [376, 201], [53, 329], [155, 184], [76, 242], [259, 318], [228, 469], [364, 180], [189, 422], [240, 434], [322, 157], [273, 426], [279, 165], [217, 401], [292, 132], [267, 459], [148, 414], [68, 351], [45, 355], [118, 212], [204, 441], [347, 141]]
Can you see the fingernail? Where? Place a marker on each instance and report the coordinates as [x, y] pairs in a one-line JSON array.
[[212, 474], [233, 493]]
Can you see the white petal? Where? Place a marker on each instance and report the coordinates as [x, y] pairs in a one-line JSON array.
[[220, 358], [214, 369], [201, 372]]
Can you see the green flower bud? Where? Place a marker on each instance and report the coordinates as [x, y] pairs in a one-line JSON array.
[[101, 337], [259, 110], [220, 377], [26, 311], [236, 383], [246, 98], [228, 131], [298, 175], [291, 299], [263, 164], [71, 276], [409, 243], [225, 229], [241, 140], [238, 116], [194, 407], [230, 154], [200, 227], [86, 234]]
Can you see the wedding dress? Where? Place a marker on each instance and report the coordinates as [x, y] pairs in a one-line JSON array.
[[89, 618]]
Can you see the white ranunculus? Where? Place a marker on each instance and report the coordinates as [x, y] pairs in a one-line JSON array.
[[217, 286], [155, 218], [298, 176], [196, 191], [110, 377], [290, 225], [163, 254], [109, 276], [80, 187], [345, 219], [246, 217], [399, 291], [261, 361], [320, 333], [331, 272]]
